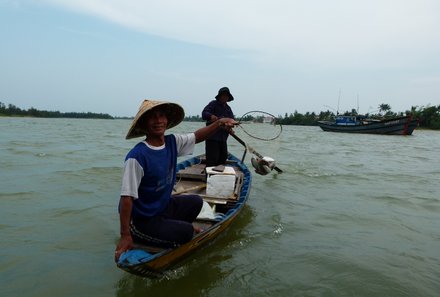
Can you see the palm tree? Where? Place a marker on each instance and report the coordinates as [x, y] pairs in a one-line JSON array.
[[384, 107]]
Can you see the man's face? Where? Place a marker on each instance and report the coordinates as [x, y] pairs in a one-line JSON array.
[[223, 97], [157, 122]]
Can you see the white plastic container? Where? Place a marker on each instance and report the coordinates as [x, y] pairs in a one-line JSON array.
[[220, 184]]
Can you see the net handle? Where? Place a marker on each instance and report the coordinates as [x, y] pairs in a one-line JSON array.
[[253, 151]]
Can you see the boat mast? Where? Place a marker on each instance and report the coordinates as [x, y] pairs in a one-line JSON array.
[[339, 99], [357, 104]]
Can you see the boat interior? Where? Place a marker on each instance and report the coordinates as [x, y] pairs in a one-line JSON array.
[[218, 186]]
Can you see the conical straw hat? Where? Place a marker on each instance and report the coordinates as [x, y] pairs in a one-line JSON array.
[[173, 111]]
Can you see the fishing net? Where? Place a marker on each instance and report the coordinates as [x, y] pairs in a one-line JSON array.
[[261, 125]]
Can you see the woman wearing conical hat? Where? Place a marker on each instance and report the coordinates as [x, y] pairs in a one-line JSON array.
[[147, 211]]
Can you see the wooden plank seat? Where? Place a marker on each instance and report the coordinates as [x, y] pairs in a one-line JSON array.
[[196, 172]]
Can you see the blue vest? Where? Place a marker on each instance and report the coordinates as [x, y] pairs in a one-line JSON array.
[[159, 177]]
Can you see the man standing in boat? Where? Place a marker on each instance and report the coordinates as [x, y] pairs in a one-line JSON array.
[[147, 211], [216, 147]]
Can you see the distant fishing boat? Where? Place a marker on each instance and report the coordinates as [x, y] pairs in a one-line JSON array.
[[404, 125]]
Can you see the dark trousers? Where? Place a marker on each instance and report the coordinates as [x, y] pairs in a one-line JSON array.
[[171, 228], [216, 152]]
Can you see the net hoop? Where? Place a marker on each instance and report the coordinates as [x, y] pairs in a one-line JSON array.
[[277, 123]]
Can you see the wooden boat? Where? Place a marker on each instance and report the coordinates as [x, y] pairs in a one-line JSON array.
[[404, 125], [224, 194]]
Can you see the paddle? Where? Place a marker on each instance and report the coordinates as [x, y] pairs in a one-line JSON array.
[[247, 147]]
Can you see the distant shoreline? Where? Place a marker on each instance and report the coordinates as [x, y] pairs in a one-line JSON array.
[[65, 117], [429, 116]]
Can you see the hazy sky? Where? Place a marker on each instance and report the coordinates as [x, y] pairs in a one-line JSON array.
[[275, 55]]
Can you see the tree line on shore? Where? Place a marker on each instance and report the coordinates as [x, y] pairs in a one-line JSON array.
[[12, 110], [429, 116]]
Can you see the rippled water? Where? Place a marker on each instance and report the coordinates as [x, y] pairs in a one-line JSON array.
[[352, 215]]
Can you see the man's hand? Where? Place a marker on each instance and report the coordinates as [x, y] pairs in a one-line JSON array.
[[227, 123], [125, 244]]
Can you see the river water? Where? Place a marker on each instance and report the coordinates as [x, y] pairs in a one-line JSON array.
[[352, 215]]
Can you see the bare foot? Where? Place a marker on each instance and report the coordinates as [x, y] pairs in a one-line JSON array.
[[197, 230]]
